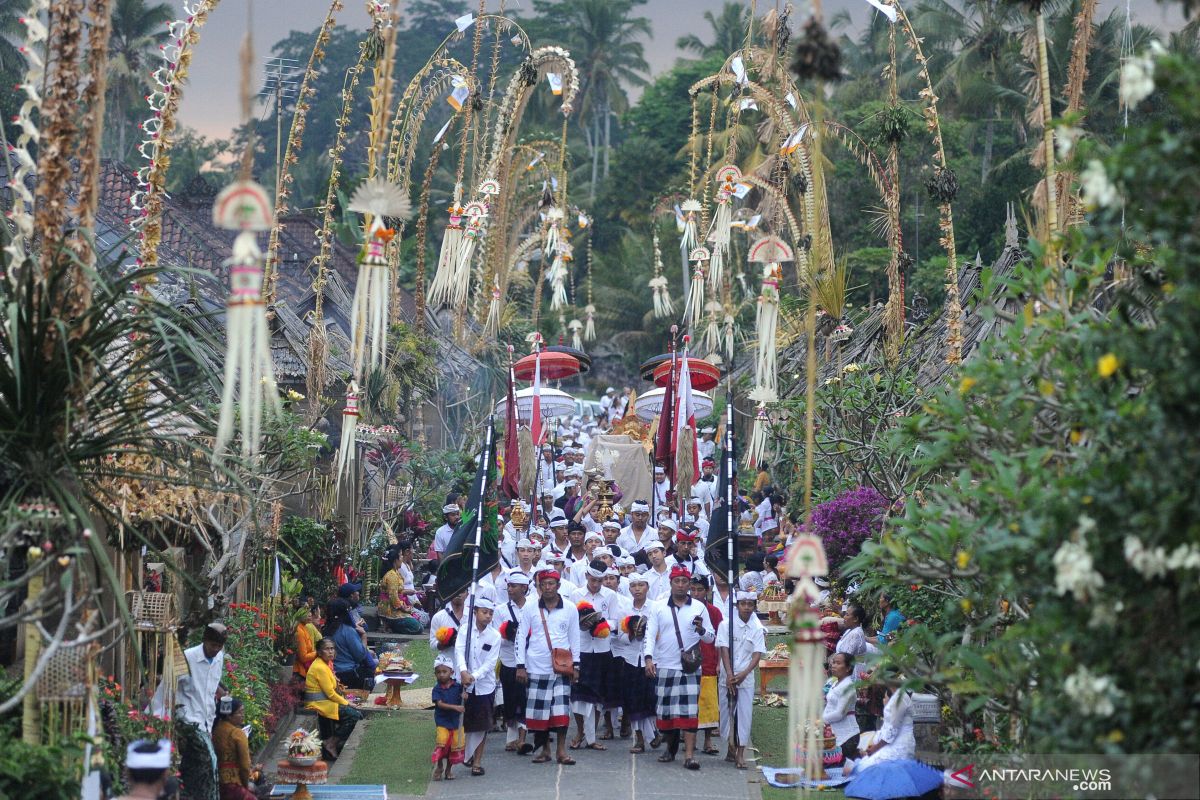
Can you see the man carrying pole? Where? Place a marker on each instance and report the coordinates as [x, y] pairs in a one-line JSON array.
[[740, 645]]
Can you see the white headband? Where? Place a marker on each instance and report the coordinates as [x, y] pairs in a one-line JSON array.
[[158, 759], [740, 596], [638, 505], [450, 508]]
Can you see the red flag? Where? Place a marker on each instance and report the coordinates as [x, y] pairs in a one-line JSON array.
[[535, 423], [664, 441], [510, 485], [685, 417]]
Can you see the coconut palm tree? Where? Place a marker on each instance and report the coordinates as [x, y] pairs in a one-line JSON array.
[[728, 32], [603, 37], [133, 46]]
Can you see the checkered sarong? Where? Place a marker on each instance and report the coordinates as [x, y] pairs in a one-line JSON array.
[[548, 704], [678, 699]]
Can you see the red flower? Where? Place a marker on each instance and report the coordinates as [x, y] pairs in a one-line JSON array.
[[914, 587], [263, 635]]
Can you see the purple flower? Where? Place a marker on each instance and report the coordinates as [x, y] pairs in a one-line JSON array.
[[848, 520]]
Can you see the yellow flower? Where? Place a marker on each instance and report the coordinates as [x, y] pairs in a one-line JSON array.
[[294, 396], [1076, 436], [965, 385], [966, 605], [1116, 736], [851, 368], [962, 559], [1046, 388], [1107, 365]]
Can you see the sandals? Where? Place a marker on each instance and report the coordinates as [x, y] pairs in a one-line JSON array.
[[511, 747], [566, 761], [666, 758], [541, 759], [656, 741], [576, 745], [477, 771], [637, 749], [691, 764], [596, 746], [525, 749], [711, 751]]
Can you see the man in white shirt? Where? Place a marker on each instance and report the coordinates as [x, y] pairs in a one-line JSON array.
[[451, 514], [686, 551], [196, 710], [694, 514], [545, 473], [637, 689], [450, 617], [477, 671], [559, 541], [765, 518], [508, 623], [661, 486], [594, 688], [705, 486], [548, 624], [658, 572], [706, 446], [677, 624], [738, 663], [638, 533], [577, 570]]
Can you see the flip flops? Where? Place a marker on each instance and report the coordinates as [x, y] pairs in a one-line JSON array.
[[477, 771], [567, 761], [525, 749], [691, 764], [666, 758], [541, 759]]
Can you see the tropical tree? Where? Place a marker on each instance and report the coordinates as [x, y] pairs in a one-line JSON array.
[[133, 46], [603, 37], [728, 32]]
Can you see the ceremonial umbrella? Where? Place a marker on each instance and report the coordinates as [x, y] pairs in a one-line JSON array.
[[705, 374], [891, 779], [556, 365], [649, 404], [555, 403]]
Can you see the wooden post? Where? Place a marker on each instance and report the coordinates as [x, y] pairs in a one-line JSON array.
[[31, 722]]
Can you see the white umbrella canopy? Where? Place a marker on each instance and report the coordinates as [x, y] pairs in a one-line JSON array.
[[648, 405], [555, 403]]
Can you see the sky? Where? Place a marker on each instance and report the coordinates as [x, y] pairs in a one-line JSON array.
[[210, 103]]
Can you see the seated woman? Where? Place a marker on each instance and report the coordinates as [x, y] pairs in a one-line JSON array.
[[233, 750], [395, 612], [355, 664], [336, 717], [305, 637], [895, 740]]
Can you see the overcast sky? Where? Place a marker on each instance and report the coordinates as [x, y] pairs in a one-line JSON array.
[[210, 101]]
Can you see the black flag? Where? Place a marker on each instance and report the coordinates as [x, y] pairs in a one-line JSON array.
[[455, 572], [720, 525]]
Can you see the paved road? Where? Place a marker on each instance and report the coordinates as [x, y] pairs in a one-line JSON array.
[[614, 773]]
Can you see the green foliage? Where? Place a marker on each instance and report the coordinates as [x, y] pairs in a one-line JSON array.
[[251, 665], [295, 441], [1061, 513], [309, 550], [50, 771]]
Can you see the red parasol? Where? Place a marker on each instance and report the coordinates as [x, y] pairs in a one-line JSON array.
[[555, 366], [705, 375]]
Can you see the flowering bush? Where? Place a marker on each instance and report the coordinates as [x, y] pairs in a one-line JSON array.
[[848, 520], [251, 666], [123, 722]]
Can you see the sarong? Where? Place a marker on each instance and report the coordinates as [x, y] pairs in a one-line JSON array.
[[710, 708], [637, 692], [450, 744], [678, 700], [548, 703], [514, 695], [478, 715], [593, 674]]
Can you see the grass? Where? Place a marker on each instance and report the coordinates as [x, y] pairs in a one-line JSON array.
[[769, 732], [395, 751], [395, 746]]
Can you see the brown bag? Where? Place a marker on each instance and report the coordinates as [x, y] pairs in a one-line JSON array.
[[560, 657], [689, 658]]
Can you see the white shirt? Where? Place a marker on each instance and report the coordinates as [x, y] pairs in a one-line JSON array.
[[562, 623], [695, 564], [545, 476], [852, 642], [630, 542], [839, 710], [764, 514], [660, 491], [196, 692], [508, 650], [623, 647], [485, 649], [603, 602], [748, 638], [661, 642], [443, 619], [705, 448], [660, 582], [441, 539]]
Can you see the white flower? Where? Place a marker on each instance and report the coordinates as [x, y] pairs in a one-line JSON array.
[[1137, 76], [1074, 572], [1151, 563], [1098, 190], [1064, 140], [1185, 556], [1104, 615], [1094, 695]]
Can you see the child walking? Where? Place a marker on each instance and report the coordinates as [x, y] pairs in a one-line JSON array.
[[447, 716]]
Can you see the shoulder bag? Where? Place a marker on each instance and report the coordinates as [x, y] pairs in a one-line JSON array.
[[560, 657], [689, 657]]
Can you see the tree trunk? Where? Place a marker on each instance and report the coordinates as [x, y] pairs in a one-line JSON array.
[[607, 137], [1047, 130], [595, 155], [989, 136]]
